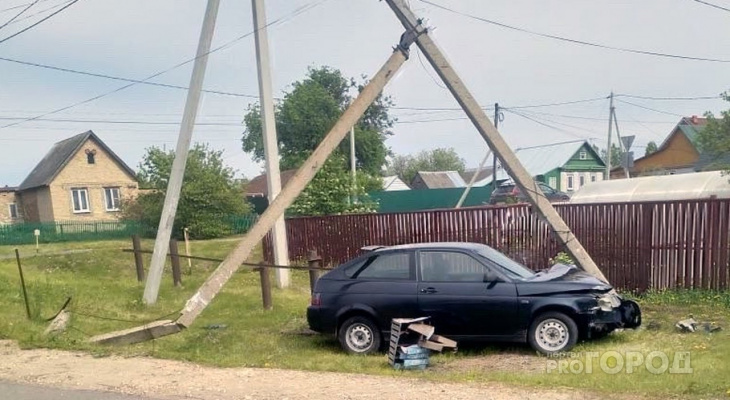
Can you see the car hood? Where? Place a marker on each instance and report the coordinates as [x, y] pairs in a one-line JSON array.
[[561, 278]]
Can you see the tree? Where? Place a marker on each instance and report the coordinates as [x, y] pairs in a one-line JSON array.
[[333, 193], [651, 147], [309, 111], [615, 155], [714, 139], [441, 159], [210, 195]]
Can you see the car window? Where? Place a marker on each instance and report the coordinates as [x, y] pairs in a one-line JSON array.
[[510, 267], [382, 266], [546, 189], [447, 266]]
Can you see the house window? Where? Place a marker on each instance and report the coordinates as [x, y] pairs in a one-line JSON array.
[[111, 198], [581, 181], [553, 182], [13, 209], [80, 200], [570, 182], [583, 155], [593, 177]]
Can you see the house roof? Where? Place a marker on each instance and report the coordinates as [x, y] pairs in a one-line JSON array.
[[539, 160], [468, 173], [689, 126], [60, 154], [441, 179], [393, 183], [257, 186], [8, 189]]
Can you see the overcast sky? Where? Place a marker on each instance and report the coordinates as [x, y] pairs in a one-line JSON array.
[[137, 38]]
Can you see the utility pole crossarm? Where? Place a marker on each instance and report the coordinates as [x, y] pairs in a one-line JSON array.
[[495, 141]]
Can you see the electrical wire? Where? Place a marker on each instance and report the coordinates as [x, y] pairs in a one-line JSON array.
[[295, 13], [713, 5], [575, 41], [545, 124], [18, 14], [649, 108], [126, 122], [31, 26], [39, 12]]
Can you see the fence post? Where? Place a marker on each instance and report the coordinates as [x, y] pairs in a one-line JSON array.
[[265, 286], [22, 283], [175, 261], [314, 262], [138, 261]]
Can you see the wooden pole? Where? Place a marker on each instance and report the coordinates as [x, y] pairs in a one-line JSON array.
[[22, 284], [187, 251], [138, 261], [175, 261], [265, 287], [314, 262]]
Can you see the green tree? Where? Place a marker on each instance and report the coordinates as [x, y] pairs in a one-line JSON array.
[[309, 111], [332, 192], [651, 147], [615, 155], [210, 195], [714, 139], [441, 159]]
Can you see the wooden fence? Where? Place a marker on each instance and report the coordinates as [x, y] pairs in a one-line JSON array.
[[638, 246]]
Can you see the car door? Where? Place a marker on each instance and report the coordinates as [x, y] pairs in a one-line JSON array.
[[465, 297], [384, 283]]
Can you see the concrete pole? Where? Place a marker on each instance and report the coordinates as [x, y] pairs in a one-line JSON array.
[[292, 189], [509, 160], [353, 164], [473, 179], [494, 160], [172, 197], [271, 146], [610, 134]]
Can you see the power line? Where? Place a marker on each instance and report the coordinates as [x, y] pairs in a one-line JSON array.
[[713, 5], [18, 14], [295, 13], [649, 108], [561, 103], [127, 122], [31, 26], [576, 41], [19, 6], [547, 125], [717, 97], [43, 11]]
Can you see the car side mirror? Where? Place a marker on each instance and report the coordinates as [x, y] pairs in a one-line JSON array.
[[490, 277]]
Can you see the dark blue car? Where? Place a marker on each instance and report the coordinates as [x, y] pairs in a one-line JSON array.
[[471, 292]]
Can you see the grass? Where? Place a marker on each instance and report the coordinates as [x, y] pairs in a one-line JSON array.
[[103, 284]]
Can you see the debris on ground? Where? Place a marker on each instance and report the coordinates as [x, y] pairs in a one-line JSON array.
[[411, 341], [215, 326], [59, 323], [653, 326], [690, 325]]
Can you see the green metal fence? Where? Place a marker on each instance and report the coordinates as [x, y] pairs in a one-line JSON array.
[[429, 199], [78, 231]]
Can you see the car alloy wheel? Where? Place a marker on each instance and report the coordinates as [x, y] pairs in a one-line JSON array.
[[552, 334]]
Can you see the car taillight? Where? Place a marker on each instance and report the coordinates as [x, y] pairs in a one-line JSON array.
[[316, 299]]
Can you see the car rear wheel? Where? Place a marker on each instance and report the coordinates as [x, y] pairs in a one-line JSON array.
[[359, 335], [552, 332]]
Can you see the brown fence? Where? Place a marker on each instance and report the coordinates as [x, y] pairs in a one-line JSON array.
[[638, 246]]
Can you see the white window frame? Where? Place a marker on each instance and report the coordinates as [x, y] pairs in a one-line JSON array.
[[583, 155], [115, 205], [78, 192], [12, 206], [570, 182]]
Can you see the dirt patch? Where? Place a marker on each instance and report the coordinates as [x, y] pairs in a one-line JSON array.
[[504, 362], [166, 379]]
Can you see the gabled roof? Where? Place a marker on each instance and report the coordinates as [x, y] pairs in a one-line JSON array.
[[393, 183], [257, 186], [469, 172], [60, 154], [441, 179], [539, 160], [689, 126]]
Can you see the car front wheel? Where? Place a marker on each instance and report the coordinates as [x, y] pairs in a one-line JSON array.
[[552, 332], [359, 335]]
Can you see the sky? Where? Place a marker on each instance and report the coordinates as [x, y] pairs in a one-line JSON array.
[[138, 38]]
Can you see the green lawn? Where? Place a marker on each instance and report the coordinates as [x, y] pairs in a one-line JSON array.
[[103, 284]]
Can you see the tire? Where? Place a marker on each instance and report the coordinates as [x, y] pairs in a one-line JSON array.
[[552, 332], [359, 335]]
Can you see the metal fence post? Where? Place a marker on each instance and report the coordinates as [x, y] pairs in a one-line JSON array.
[[138, 261], [175, 261], [265, 287], [314, 262]]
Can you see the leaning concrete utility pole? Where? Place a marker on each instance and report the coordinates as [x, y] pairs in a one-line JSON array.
[[608, 145], [271, 144], [174, 185], [493, 138]]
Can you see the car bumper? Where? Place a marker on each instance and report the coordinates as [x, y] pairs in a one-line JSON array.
[[626, 315]]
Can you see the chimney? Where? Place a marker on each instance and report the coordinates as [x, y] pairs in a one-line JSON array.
[[695, 121]]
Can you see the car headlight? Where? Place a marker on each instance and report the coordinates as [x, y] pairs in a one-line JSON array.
[[608, 302]]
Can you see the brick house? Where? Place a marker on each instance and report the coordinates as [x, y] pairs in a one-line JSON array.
[[79, 179]]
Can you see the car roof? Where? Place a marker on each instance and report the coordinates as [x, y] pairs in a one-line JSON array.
[[434, 245]]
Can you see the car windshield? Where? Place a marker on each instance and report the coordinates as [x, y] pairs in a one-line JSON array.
[[509, 266]]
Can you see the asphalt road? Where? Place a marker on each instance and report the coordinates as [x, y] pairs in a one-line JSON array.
[[16, 391]]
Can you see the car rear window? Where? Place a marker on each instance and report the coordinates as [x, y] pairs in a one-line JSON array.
[[395, 266]]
